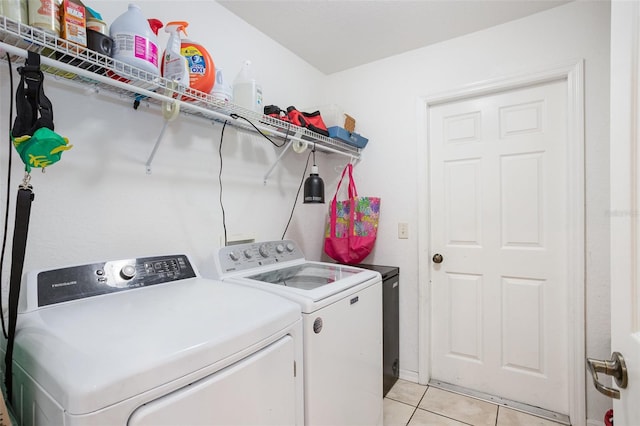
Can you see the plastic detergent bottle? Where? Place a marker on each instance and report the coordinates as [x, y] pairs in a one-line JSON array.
[[222, 90], [15, 9], [247, 93], [174, 66], [202, 70], [134, 41]]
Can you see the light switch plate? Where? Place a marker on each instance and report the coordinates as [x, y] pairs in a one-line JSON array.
[[403, 230]]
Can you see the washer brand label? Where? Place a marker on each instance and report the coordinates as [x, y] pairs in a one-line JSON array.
[[64, 284]]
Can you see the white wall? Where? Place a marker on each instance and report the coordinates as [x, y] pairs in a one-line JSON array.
[[382, 97], [99, 203]]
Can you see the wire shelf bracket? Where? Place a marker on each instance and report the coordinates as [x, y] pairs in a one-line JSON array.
[[101, 73]]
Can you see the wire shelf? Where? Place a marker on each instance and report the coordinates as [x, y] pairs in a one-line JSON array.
[[99, 72]]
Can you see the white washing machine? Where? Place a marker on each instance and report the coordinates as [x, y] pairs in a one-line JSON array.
[[342, 317], [147, 341]]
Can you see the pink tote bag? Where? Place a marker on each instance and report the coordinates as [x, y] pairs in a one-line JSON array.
[[352, 225]]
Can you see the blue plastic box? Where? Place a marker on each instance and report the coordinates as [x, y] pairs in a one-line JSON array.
[[345, 136]]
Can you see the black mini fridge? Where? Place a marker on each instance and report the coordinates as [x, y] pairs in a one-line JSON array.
[[390, 324]]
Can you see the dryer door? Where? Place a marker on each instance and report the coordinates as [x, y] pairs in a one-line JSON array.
[[259, 389]]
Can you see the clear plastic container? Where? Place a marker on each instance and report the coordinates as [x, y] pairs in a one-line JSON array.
[[45, 14], [247, 93], [15, 9], [221, 89]]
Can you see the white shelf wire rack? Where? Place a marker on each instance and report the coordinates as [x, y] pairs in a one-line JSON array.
[[71, 62]]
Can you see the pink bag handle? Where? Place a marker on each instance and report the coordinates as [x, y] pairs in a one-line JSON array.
[[352, 192]]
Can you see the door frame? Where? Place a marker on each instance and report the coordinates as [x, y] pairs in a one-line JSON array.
[[625, 199], [573, 74]]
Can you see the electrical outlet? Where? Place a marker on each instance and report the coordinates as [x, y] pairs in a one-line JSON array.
[[403, 230], [237, 239]]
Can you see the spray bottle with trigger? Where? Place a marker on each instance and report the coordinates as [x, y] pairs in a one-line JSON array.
[[175, 67]]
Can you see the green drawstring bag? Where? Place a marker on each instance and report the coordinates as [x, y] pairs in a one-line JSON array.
[[32, 133], [42, 149]]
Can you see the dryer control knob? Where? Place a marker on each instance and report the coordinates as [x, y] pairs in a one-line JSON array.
[[248, 254], [234, 256], [290, 247], [264, 250], [280, 248], [128, 271]]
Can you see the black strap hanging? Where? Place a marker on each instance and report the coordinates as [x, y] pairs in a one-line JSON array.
[[21, 228], [33, 109], [33, 133]]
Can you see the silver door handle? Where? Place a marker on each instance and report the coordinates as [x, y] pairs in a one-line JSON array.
[[615, 367]]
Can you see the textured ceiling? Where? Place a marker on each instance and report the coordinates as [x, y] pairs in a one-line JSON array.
[[334, 35]]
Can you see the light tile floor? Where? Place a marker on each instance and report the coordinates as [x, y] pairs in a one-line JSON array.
[[411, 404]]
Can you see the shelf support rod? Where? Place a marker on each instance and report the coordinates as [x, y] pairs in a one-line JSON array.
[[273, 166], [155, 147], [170, 110]]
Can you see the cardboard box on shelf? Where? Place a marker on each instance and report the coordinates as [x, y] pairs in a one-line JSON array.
[[349, 123], [73, 22]]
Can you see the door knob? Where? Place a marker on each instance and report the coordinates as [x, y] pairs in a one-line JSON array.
[[615, 367], [437, 258]]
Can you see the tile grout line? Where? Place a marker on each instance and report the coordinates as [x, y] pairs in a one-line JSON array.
[[503, 402], [447, 417], [402, 402], [412, 414], [419, 401], [415, 409], [496, 405]]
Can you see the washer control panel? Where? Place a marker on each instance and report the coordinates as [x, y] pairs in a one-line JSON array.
[[78, 282], [248, 256]]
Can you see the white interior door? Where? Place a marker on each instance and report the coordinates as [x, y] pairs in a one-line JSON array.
[[625, 205], [498, 180]]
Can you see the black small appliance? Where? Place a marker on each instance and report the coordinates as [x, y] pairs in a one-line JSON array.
[[390, 324]]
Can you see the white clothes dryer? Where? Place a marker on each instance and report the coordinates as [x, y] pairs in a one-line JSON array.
[[147, 341], [342, 320]]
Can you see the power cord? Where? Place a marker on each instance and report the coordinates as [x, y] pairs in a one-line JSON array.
[[224, 219], [293, 209], [304, 173], [6, 212], [286, 136]]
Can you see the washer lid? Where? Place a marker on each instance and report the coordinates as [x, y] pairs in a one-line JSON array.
[[98, 351], [307, 276], [311, 284]]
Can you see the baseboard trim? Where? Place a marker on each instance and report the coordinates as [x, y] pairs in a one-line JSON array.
[[408, 375]]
